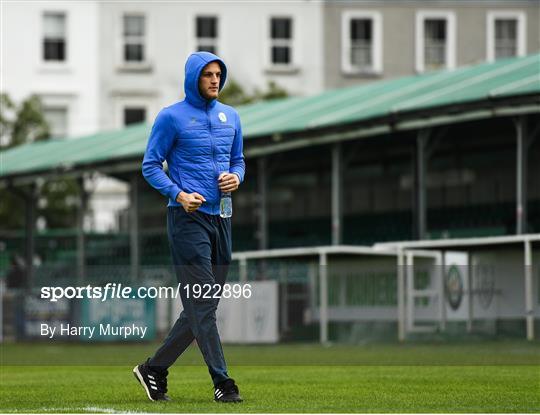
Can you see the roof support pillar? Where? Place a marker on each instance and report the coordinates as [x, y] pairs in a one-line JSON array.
[[521, 175], [81, 243], [30, 199], [337, 195], [420, 184], [134, 228], [262, 217]]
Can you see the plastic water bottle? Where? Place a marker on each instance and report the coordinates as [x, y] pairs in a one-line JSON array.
[[225, 205]]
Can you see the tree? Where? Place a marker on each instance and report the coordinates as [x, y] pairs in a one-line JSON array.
[[25, 124], [233, 94], [274, 92], [6, 110]]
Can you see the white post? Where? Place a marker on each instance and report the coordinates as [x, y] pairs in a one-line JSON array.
[[243, 270], [243, 276], [401, 295], [470, 292], [409, 281], [323, 298], [283, 286], [529, 317], [312, 276], [439, 274]]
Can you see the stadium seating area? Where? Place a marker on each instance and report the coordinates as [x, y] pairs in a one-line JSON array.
[[107, 255], [455, 222]]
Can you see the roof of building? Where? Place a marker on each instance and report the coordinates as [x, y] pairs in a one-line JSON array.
[[446, 94]]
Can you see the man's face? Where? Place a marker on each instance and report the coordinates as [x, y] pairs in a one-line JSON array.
[[209, 81]]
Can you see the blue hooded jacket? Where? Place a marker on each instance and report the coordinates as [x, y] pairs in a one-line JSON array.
[[198, 138]]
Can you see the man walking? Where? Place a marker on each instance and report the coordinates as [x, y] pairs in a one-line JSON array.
[[201, 140]]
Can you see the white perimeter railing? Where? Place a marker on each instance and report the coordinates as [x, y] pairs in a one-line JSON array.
[[404, 252], [444, 244], [322, 253]]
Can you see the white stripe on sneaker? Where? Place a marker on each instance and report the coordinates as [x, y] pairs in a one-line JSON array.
[[152, 382], [153, 387], [150, 376], [219, 395]]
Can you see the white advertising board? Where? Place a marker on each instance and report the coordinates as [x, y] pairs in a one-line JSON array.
[[246, 320], [250, 320]]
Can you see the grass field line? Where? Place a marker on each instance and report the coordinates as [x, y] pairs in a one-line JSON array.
[[42, 409], [90, 409], [101, 410]]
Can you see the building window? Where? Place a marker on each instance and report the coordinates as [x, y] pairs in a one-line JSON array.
[[206, 32], [57, 118], [505, 38], [361, 34], [281, 38], [435, 40], [361, 42], [134, 32], [134, 115], [54, 37], [505, 34], [434, 43]]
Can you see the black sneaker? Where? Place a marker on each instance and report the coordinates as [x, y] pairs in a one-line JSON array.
[[154, 383], [227, 391]]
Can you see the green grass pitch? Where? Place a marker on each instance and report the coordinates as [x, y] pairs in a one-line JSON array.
[[473, 377]]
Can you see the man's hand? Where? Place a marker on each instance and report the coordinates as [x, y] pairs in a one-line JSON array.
[[228, 182], [190, 201]]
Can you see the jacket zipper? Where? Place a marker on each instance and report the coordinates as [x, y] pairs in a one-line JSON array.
[[212, 141]]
